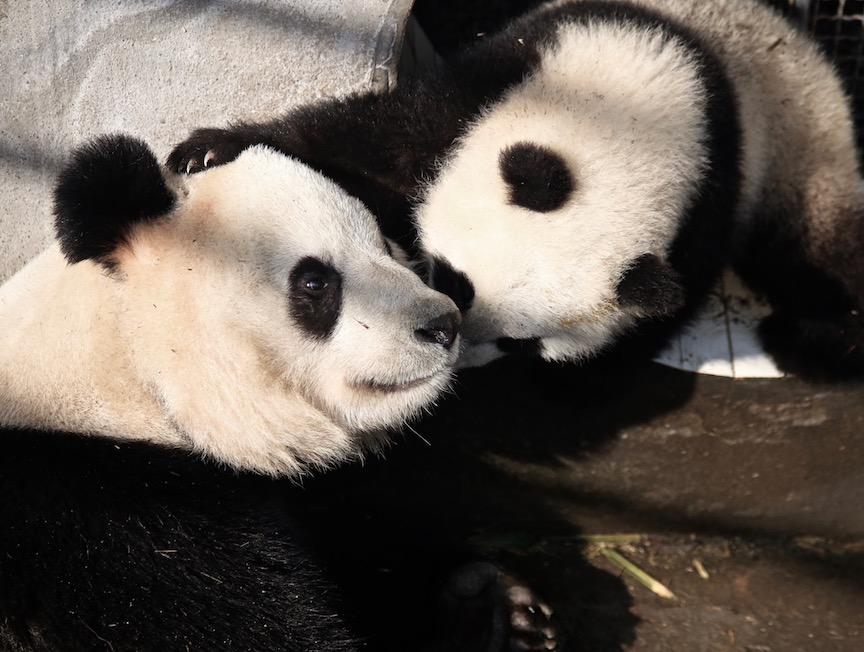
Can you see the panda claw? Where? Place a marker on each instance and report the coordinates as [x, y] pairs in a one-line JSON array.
[[523, 623], [209, 156]]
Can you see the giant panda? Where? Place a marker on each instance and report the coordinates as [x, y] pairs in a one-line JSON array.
[[579, 179], [184, 341]]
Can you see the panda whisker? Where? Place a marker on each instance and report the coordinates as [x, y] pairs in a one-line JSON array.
[[418, 435]]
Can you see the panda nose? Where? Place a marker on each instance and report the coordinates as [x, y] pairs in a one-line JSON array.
[[440, 330]]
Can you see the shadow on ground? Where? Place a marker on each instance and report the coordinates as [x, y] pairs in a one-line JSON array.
[[742, 497]]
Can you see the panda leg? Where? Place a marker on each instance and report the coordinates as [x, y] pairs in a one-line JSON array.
[[812, 273]]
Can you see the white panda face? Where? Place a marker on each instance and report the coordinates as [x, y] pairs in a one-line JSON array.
[[510, 259], [253, 312], [550, 223], [268, 266]]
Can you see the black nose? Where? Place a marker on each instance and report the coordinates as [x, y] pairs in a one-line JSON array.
[[441, 330], [453, 283]]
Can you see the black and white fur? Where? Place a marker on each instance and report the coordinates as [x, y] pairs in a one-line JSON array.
[[582, 176], [255, 315], [182, 332]]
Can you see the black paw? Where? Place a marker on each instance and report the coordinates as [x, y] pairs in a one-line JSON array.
[[488, 610], [206, 148]]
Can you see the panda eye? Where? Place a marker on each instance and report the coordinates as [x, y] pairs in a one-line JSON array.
[[315, 286], [315, 296]]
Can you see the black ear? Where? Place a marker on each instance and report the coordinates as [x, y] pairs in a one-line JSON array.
[[108, 185], [652, 287]]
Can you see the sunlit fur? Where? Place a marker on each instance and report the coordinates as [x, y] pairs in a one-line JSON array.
[[674, 138], [554, 275], [622, 106], [186, 338]]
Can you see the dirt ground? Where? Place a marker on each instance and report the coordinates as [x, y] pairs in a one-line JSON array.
[[742, 497]]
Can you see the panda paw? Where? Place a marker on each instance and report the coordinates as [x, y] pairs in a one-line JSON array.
[[206, 148], [488, 610]]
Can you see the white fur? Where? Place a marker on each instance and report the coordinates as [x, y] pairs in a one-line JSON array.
[[796, 121], [190, 342], [552, 276]]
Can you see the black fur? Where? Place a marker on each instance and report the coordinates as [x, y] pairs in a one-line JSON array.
[[454, 284], [315, 297], [119, 546], [531, 347], [652, 287], [376, 146], [816, 330], [125, 546], [109, 185], [538, 177]]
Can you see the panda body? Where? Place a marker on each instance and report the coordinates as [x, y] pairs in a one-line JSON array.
[[566, 284], [580, 178], [130, 546], [785, 208], [185, 339]]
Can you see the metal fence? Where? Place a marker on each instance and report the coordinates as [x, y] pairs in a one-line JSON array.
[[838, 28]]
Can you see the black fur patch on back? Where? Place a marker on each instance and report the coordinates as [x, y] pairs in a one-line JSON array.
[[652, 287], [315, 296], [453, 283], [538, 177], [109, 185]]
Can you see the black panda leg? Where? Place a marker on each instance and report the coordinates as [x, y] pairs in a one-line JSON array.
[[818, 347], [816, 329], [485, 609], [209, 147]]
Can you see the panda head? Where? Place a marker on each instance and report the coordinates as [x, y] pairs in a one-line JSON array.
[[542, 251], [256, 303]]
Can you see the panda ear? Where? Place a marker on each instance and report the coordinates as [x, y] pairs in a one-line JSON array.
[[109, 185], [652, 287]]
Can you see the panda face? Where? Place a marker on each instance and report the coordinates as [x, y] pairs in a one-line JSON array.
[[550, 223], [268, 266], [539, 258], [260, 318]]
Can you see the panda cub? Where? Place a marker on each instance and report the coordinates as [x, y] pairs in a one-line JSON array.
[[183, 332], [580, 178]]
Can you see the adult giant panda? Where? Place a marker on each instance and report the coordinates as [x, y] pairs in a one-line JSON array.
[[181, 333], [581, 177]]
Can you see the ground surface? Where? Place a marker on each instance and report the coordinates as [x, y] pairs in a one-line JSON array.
[[758, 484]]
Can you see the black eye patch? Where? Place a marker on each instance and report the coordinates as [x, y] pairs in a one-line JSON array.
[[538, 178], [453, 283], [315, 296]]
